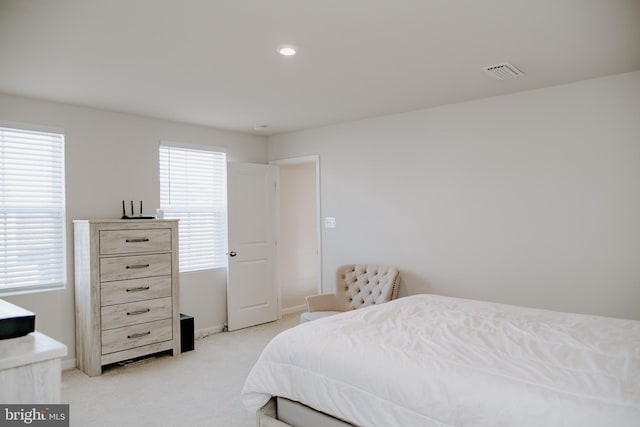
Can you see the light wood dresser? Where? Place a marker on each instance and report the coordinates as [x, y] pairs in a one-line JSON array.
[[127, 290]]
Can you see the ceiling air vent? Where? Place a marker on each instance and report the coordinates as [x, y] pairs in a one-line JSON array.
[[502, 71]]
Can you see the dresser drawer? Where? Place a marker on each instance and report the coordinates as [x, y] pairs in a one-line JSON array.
[[129, 241], [137, 335], [134, 267], [117, 316], [123, 291]]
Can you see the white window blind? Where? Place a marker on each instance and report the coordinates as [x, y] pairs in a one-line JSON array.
[[193, 188], [32, 210]]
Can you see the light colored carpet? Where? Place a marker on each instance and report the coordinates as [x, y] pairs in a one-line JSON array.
[[197, 388]]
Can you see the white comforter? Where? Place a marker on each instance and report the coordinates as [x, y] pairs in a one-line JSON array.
[[428, 360]]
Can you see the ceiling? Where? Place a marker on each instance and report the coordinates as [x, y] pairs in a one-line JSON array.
[[214, 62]]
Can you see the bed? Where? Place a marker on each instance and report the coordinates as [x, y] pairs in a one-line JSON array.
[[428, 360]]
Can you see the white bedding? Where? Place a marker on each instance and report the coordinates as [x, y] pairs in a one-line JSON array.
[[428, 360]]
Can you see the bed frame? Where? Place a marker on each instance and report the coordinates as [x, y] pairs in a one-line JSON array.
[[281, 412]]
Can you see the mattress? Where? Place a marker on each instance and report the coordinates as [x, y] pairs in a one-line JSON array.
[[429, 360]]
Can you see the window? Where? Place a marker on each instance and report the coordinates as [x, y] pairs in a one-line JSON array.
[[32, 211], [193, 188]]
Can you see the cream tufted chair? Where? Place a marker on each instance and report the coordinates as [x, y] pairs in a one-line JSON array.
[[357, 285]]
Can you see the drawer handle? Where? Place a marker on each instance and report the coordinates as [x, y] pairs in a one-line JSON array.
[[140, 289], [144, 239], [144, 334], [135, 313], [138, 266]]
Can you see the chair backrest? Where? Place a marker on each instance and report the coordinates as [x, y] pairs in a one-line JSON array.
[[360, 285]]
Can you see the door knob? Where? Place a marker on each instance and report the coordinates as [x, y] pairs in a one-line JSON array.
[[232, 253]]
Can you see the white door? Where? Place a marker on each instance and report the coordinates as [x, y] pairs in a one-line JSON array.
[[251, 290]]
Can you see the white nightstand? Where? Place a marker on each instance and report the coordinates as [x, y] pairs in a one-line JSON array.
[[30, 369]]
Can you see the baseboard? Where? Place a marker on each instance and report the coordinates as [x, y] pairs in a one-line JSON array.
[[201, 333], [294, 309]]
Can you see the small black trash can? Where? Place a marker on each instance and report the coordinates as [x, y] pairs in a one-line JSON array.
[[186, 333]]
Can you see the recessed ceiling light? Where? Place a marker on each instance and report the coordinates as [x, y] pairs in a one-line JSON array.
[[287, 51]]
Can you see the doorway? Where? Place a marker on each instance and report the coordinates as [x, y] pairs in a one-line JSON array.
[[298, 235]]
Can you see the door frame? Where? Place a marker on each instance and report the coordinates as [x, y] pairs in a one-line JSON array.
[[315, 159]]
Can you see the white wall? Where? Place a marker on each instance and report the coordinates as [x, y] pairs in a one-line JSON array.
[[530, 199], [111, 157], [297, 242]]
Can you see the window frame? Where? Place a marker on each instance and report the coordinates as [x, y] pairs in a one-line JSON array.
[[64, 275], [220, 260]]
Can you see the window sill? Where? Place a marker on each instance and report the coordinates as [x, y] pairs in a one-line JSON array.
[[34, 290], [204, 270]]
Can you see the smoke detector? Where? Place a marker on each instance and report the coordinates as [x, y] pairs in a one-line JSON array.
[[502, 71]]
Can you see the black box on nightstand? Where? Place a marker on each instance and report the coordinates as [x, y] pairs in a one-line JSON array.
[[15, 321], [186, 333]]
